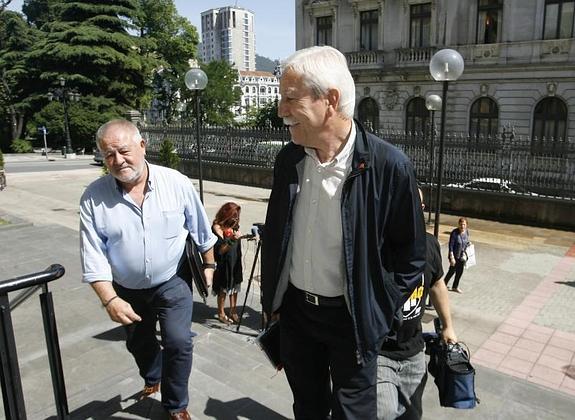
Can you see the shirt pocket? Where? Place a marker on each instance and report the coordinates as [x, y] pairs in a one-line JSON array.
[[173, 223]]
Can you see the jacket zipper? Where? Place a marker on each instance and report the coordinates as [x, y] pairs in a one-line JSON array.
[[345, 190]]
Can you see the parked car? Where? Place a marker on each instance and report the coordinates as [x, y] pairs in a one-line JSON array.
[[98, 158], [493, 184]]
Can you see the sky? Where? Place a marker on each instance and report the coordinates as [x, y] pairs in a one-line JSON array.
[[274, 21]]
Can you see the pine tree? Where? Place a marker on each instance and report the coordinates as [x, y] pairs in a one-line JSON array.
[[89, 44]]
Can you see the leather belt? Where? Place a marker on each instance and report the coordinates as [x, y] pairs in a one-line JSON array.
[[318, 300]]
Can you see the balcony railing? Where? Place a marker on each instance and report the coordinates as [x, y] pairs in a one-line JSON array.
[[414, 56], [364, 59]]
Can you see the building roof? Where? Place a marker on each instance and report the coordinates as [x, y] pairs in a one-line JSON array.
[[256, 73]]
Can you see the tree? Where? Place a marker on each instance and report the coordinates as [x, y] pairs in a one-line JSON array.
[[39, 12], [221, 93], [172, 41], [266, 116], [85, 118], [18, 85], [89, 44], [4, 4], [168, 155]]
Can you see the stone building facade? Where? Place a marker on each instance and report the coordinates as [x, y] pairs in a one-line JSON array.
[[258, 89], [519, 61]]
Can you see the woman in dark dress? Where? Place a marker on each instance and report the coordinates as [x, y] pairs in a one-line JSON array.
[[228, 252], [458, 242]]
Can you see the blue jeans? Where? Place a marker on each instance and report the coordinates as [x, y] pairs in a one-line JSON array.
[[170, 304], [400, 385]]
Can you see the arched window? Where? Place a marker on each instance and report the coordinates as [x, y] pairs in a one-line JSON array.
[[247, 89], [254, 90], [368, 114], [416, 116], [483, 118], [262, 89], [549, 125]]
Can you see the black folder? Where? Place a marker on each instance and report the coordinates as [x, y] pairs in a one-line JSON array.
[[191, 268], [269, 342]]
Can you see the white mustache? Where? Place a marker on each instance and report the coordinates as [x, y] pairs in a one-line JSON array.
[[289, 121]]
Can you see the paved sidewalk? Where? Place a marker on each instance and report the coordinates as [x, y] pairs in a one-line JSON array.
[[516, 315]]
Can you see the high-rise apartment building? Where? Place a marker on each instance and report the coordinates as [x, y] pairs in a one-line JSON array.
[[228, 34]]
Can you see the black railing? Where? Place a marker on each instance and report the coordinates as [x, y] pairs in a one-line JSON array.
[[503, 163], [12, 394], [506, 162]]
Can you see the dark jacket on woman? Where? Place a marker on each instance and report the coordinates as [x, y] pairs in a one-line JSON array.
[[383, 235]]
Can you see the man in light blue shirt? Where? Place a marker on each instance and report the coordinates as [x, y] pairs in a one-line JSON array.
[[133, 227]]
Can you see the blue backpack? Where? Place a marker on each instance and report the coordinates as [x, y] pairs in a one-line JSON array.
[[454, 375]]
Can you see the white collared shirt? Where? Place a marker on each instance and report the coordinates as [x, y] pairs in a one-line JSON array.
[[317, 240]]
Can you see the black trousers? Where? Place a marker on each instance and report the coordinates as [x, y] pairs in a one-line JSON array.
[[456, 269], [318, 345]]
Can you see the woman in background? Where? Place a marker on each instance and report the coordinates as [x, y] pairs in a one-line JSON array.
[[458, 242], [228, 252]]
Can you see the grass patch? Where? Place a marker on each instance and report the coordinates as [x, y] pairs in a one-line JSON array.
[[4, 222]]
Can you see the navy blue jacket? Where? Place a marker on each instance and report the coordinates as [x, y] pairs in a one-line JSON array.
[[383, 235]]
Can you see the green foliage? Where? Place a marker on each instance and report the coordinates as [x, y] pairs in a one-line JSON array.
[[220, 94], [105, 171], [168, 155], [1, 160], [85, 118], [39, 12], [90, 44], [18, 84], [264, 117], [174, 41], [21, 146]]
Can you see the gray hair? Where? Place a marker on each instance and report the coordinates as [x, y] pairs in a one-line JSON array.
[[125, 124], [324, 68]]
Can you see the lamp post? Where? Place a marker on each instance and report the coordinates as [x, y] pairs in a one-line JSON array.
[[64, 94], [445, 66], [432, 103], [197, 80]]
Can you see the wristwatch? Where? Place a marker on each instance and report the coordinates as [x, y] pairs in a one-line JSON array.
[[209, 265]]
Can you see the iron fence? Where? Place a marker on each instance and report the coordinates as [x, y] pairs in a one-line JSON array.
[[231, 145], [504, 162]]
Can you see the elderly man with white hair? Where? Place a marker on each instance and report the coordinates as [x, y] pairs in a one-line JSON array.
[[343, 243]]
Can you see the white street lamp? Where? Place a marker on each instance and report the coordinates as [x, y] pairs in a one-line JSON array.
[[445, 66], [432, 103], [197, 80]]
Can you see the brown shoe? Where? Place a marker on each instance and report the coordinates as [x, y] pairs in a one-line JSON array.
[[180, 415], [148, 391]]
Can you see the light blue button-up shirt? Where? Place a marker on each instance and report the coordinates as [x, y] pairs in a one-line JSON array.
[[138, 247]]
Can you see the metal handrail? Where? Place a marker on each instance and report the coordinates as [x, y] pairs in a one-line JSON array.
[[23, 296], [54, 272], [13, 397]]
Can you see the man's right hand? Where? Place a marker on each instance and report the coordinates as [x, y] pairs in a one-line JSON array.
[[121, 311]]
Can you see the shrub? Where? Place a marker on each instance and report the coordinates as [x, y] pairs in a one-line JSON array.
[[1, 160], [168, 155], [21, 146]]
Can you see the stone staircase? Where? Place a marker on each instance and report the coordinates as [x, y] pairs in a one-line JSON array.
[[231, 377]]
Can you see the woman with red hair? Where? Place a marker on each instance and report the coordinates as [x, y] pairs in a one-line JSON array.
[[228, 252]]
